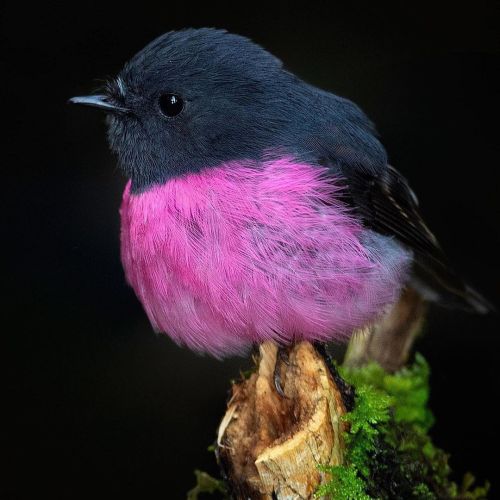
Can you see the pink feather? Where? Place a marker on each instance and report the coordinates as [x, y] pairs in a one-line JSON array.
[[248, 252]]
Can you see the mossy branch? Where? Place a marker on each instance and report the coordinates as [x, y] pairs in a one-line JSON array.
[[307, 445], [388, 451]]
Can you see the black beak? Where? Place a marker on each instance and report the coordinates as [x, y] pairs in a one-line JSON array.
[[99, 101]]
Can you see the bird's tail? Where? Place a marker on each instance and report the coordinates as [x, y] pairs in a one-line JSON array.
[[437, 282]]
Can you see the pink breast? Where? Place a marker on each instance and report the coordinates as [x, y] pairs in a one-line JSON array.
[[248, 252]]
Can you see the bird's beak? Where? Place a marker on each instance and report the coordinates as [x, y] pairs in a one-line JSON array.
[[99, 101]]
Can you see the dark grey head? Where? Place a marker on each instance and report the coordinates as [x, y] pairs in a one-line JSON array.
[[193, 99]]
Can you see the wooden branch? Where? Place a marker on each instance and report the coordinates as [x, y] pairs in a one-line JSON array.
[[389, 341], [269, 446]]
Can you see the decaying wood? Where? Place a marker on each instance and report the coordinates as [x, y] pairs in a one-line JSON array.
[[269, 446], [389, 340]]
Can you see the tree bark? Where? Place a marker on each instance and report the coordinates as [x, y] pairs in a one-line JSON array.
[[269, 445]]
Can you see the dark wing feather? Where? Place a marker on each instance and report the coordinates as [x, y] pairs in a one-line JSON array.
[[386, 204]]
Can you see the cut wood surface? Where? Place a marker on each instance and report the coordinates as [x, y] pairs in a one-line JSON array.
[[269, 445]]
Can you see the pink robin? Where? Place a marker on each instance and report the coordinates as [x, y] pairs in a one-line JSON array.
[[259, 207]]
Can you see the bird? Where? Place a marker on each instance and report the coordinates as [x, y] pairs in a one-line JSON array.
[[259, 207]]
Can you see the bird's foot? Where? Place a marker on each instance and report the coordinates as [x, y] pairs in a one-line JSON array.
[[346, 390], [281, 357]]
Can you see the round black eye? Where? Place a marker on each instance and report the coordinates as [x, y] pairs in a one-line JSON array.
[[170, 104]]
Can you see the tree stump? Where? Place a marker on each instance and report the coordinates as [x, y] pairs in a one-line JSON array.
[[269, 445]]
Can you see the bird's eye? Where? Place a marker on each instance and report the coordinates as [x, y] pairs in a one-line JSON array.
[[170, 104]]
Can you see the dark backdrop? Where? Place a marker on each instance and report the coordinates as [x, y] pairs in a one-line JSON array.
[[100, 405]]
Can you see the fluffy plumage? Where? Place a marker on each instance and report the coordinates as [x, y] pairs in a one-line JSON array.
[[264, 209], [248, 252]]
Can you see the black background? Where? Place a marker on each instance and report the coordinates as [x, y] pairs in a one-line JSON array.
[[98, 404]]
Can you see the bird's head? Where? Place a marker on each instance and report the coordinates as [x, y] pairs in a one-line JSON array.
[[193, 99]]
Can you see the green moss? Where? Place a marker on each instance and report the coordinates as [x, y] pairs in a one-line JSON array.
[[466, 490], [370, 412], [205, 483], [409, 389], [389, 453], [347, 484]]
